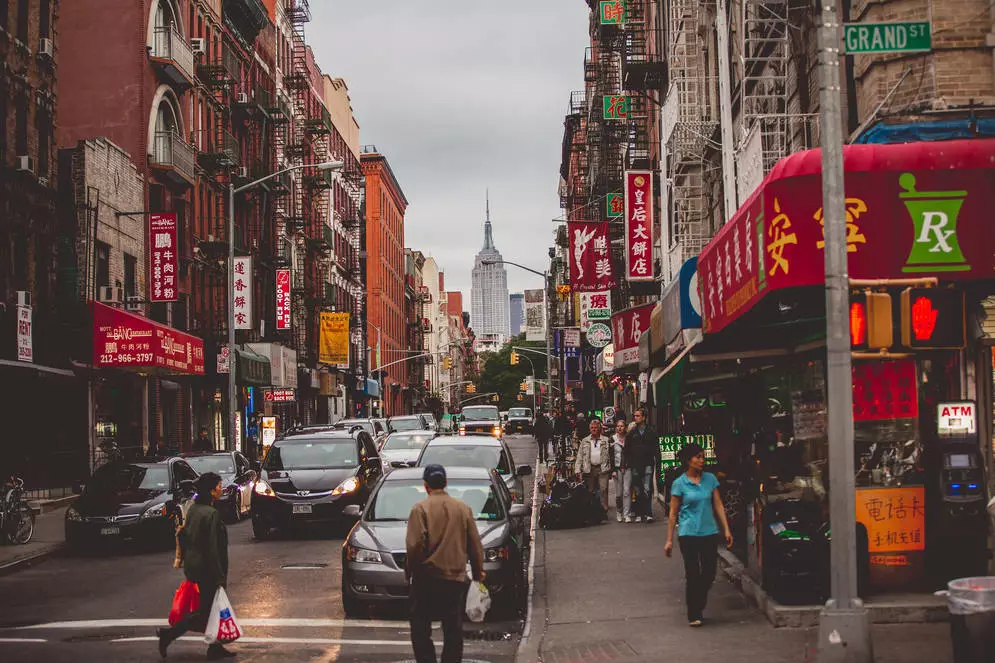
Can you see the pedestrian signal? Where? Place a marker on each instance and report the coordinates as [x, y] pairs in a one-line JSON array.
[[933, 318]]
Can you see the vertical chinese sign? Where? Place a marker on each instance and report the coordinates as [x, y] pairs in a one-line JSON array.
[[333, 339], [615, 205], [163, 261], [639, 225], [590, 258], [242, 302], [25, 351], [627, 327], [283, 299], [616, 107], [594, 307]]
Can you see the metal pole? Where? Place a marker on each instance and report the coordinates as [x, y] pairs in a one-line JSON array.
[[844, 632], [547, 315], [232, 400], [725, 112]]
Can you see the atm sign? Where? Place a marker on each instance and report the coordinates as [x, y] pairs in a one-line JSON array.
[[956, 418]]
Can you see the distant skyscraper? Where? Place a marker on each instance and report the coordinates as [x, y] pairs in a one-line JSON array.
[[489, 294], [517, 313]]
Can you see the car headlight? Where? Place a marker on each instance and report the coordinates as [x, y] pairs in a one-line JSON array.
[[157, 511], [263, 488], [362, 555], [494, 554], [497, 431], [350, 485], [73, 515]]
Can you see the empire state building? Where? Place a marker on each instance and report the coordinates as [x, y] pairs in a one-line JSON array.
[[489, 301]]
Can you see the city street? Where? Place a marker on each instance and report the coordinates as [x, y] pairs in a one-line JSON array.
[[286, 594]]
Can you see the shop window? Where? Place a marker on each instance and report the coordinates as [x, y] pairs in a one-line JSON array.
[[103, 266]]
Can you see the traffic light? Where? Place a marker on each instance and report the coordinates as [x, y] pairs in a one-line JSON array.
[[496, 398], [471, 388], [871, 326], [447, 363], [520, 397], [514, 357], [933, 318], [524, 385]]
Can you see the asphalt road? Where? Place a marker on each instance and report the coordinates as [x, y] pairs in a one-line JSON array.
[[104, 607]]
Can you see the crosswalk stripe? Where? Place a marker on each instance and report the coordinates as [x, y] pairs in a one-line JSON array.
[[261, 622], [285, 641], [20, 640]]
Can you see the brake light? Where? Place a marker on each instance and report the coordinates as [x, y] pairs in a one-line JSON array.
[[462, 430]]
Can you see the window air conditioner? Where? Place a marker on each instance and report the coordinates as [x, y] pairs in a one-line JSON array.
[[198, 45], [242, 98], [46, 48], [134, 303], [25, 162], [243, 172], [110, 294]]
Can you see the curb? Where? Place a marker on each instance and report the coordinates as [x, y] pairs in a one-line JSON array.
[[31, 559], [528, 644]]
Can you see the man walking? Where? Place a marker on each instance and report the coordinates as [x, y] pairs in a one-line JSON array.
[[442, 536], [203, 441], [543, 431], [594, 462], [642, 455]]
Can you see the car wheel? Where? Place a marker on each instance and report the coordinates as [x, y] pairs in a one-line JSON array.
[[260, 530]]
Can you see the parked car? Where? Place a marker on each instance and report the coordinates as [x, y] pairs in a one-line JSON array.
[[130, 501], [312, 478], [430, 418], [237, 479], [377, 428], [374, 553], [477, 451], [519, 420], [480, 419], [408, 422], [401, 449]]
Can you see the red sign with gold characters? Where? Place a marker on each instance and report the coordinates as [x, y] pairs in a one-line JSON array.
[[283, 299], [639, 225], [627, 327], [885, 390], [126, 340], [916, 209], [591, 267], [163, 261]]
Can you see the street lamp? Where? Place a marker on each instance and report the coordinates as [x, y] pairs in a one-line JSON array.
[[545, 300], [232, 190]]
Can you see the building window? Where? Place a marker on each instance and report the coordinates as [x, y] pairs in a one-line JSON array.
[[130, 275], [44, 18], [4, 15], [103, 267], [21, 126], [23, 14], [44, 120]]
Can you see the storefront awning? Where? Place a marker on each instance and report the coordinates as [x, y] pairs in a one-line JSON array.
[[254, 368], [913, 210], [129, 341]]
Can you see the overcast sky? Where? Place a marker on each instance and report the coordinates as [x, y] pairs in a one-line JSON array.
[[462, 95]]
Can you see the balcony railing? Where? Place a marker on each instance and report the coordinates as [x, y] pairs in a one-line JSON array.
[[218, 150], [171, 153], [173, 55]]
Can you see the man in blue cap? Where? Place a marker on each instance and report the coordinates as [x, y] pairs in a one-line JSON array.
[[442, 537]]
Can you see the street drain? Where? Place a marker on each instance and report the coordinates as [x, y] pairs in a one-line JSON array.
[[600, 651], [303, 565]]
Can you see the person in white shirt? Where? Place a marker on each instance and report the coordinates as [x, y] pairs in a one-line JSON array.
[[621, 475], [593, 462]]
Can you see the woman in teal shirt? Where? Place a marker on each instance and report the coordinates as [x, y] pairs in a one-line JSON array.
[[696, 510]]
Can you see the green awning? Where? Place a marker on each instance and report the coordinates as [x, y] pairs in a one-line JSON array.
[[253, 368]]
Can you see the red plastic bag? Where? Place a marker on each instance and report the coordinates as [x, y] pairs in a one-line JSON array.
[[185, 601]]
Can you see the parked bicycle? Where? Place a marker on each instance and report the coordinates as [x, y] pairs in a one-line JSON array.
[[17, 520]]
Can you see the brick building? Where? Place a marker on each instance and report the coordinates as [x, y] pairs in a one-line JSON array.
[[385, 206]]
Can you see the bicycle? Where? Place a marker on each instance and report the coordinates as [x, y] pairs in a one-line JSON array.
[[17, 520]]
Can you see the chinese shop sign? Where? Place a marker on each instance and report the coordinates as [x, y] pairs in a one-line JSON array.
[[616, 107], [242, 302], [163, 261], [126, 340], [594, 307], [535, 315], [885, 390], [639, 225], [615, 205], [627, 327], [590, 258], [224, 360], [612, 12], [895, 518], [931, 220], [283, 299], [333, 339]]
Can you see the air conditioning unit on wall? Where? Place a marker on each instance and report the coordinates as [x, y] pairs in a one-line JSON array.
[[198, 45], [46, 48], [26, 163], [242, 98]]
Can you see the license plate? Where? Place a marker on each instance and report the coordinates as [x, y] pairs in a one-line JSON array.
[[110, 531], [302, 508]]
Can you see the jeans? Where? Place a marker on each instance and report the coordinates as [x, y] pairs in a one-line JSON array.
[[196, 620], [603, 478], [623, 492], [700, 555], [642, 481], [543, 449], [445, 600]]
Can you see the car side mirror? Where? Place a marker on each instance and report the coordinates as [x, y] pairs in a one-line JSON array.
[[352, 511], [523, 470], [519, 510]]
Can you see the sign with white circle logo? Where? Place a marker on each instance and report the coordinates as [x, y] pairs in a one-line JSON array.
[[599, 334]]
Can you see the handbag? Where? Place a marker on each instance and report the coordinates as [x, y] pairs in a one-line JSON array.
[[185, 601], [222, 626]]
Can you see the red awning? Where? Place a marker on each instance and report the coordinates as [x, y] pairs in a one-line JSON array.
[[126, 340], [913, 210]]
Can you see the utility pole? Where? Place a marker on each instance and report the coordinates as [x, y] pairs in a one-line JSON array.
[[725, 111], [844, 631]]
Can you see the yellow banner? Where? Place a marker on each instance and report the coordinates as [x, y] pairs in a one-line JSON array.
[[333, 339]]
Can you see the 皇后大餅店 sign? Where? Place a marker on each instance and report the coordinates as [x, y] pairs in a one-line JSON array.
[[126, 340], [639, 225], [912, 210]]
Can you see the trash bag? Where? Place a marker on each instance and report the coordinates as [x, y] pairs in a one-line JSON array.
[[478, 602], [222, 627], [185, 601]]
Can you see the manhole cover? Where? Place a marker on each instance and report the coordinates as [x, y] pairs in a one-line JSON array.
[[303, 565], [596, 651]]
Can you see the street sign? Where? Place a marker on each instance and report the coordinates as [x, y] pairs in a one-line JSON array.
[[899, 37]]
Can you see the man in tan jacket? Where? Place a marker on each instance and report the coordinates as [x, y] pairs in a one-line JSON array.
[[442, 537]]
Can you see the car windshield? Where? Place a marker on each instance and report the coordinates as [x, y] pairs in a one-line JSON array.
[[480, 414], [123, 477], [219, 464], [407, 423], [314, 455], [399, 442], [347, 425], [462, 455], [394, 500], [519, 412]]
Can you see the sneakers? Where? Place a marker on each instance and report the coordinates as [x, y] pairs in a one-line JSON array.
[[628, 519], [618, 516], [694, 623], [650, 519], [164, 640], [639, 519], [216, 652]]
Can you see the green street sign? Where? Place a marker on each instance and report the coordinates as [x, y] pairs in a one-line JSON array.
[[616, 107], [615, 204], [612, 12], [899, 37]]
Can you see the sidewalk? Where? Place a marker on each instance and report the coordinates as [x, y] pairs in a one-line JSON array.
[[48, 539], [608, 593]]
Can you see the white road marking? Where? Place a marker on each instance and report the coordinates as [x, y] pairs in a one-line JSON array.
[[284, 641], [20, 640], [262, 622]]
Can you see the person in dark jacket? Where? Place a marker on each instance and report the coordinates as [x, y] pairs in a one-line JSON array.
[[543, 431], [205, 562], [642, 455]]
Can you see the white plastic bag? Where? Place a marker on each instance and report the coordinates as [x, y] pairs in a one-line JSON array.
[[221, 625], [478, 602]]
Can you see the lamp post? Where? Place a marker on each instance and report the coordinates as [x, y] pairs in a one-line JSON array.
[[232, 190], [545, 300]]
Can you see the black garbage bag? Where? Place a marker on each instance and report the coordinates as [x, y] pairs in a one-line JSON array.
[[570, 504]]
